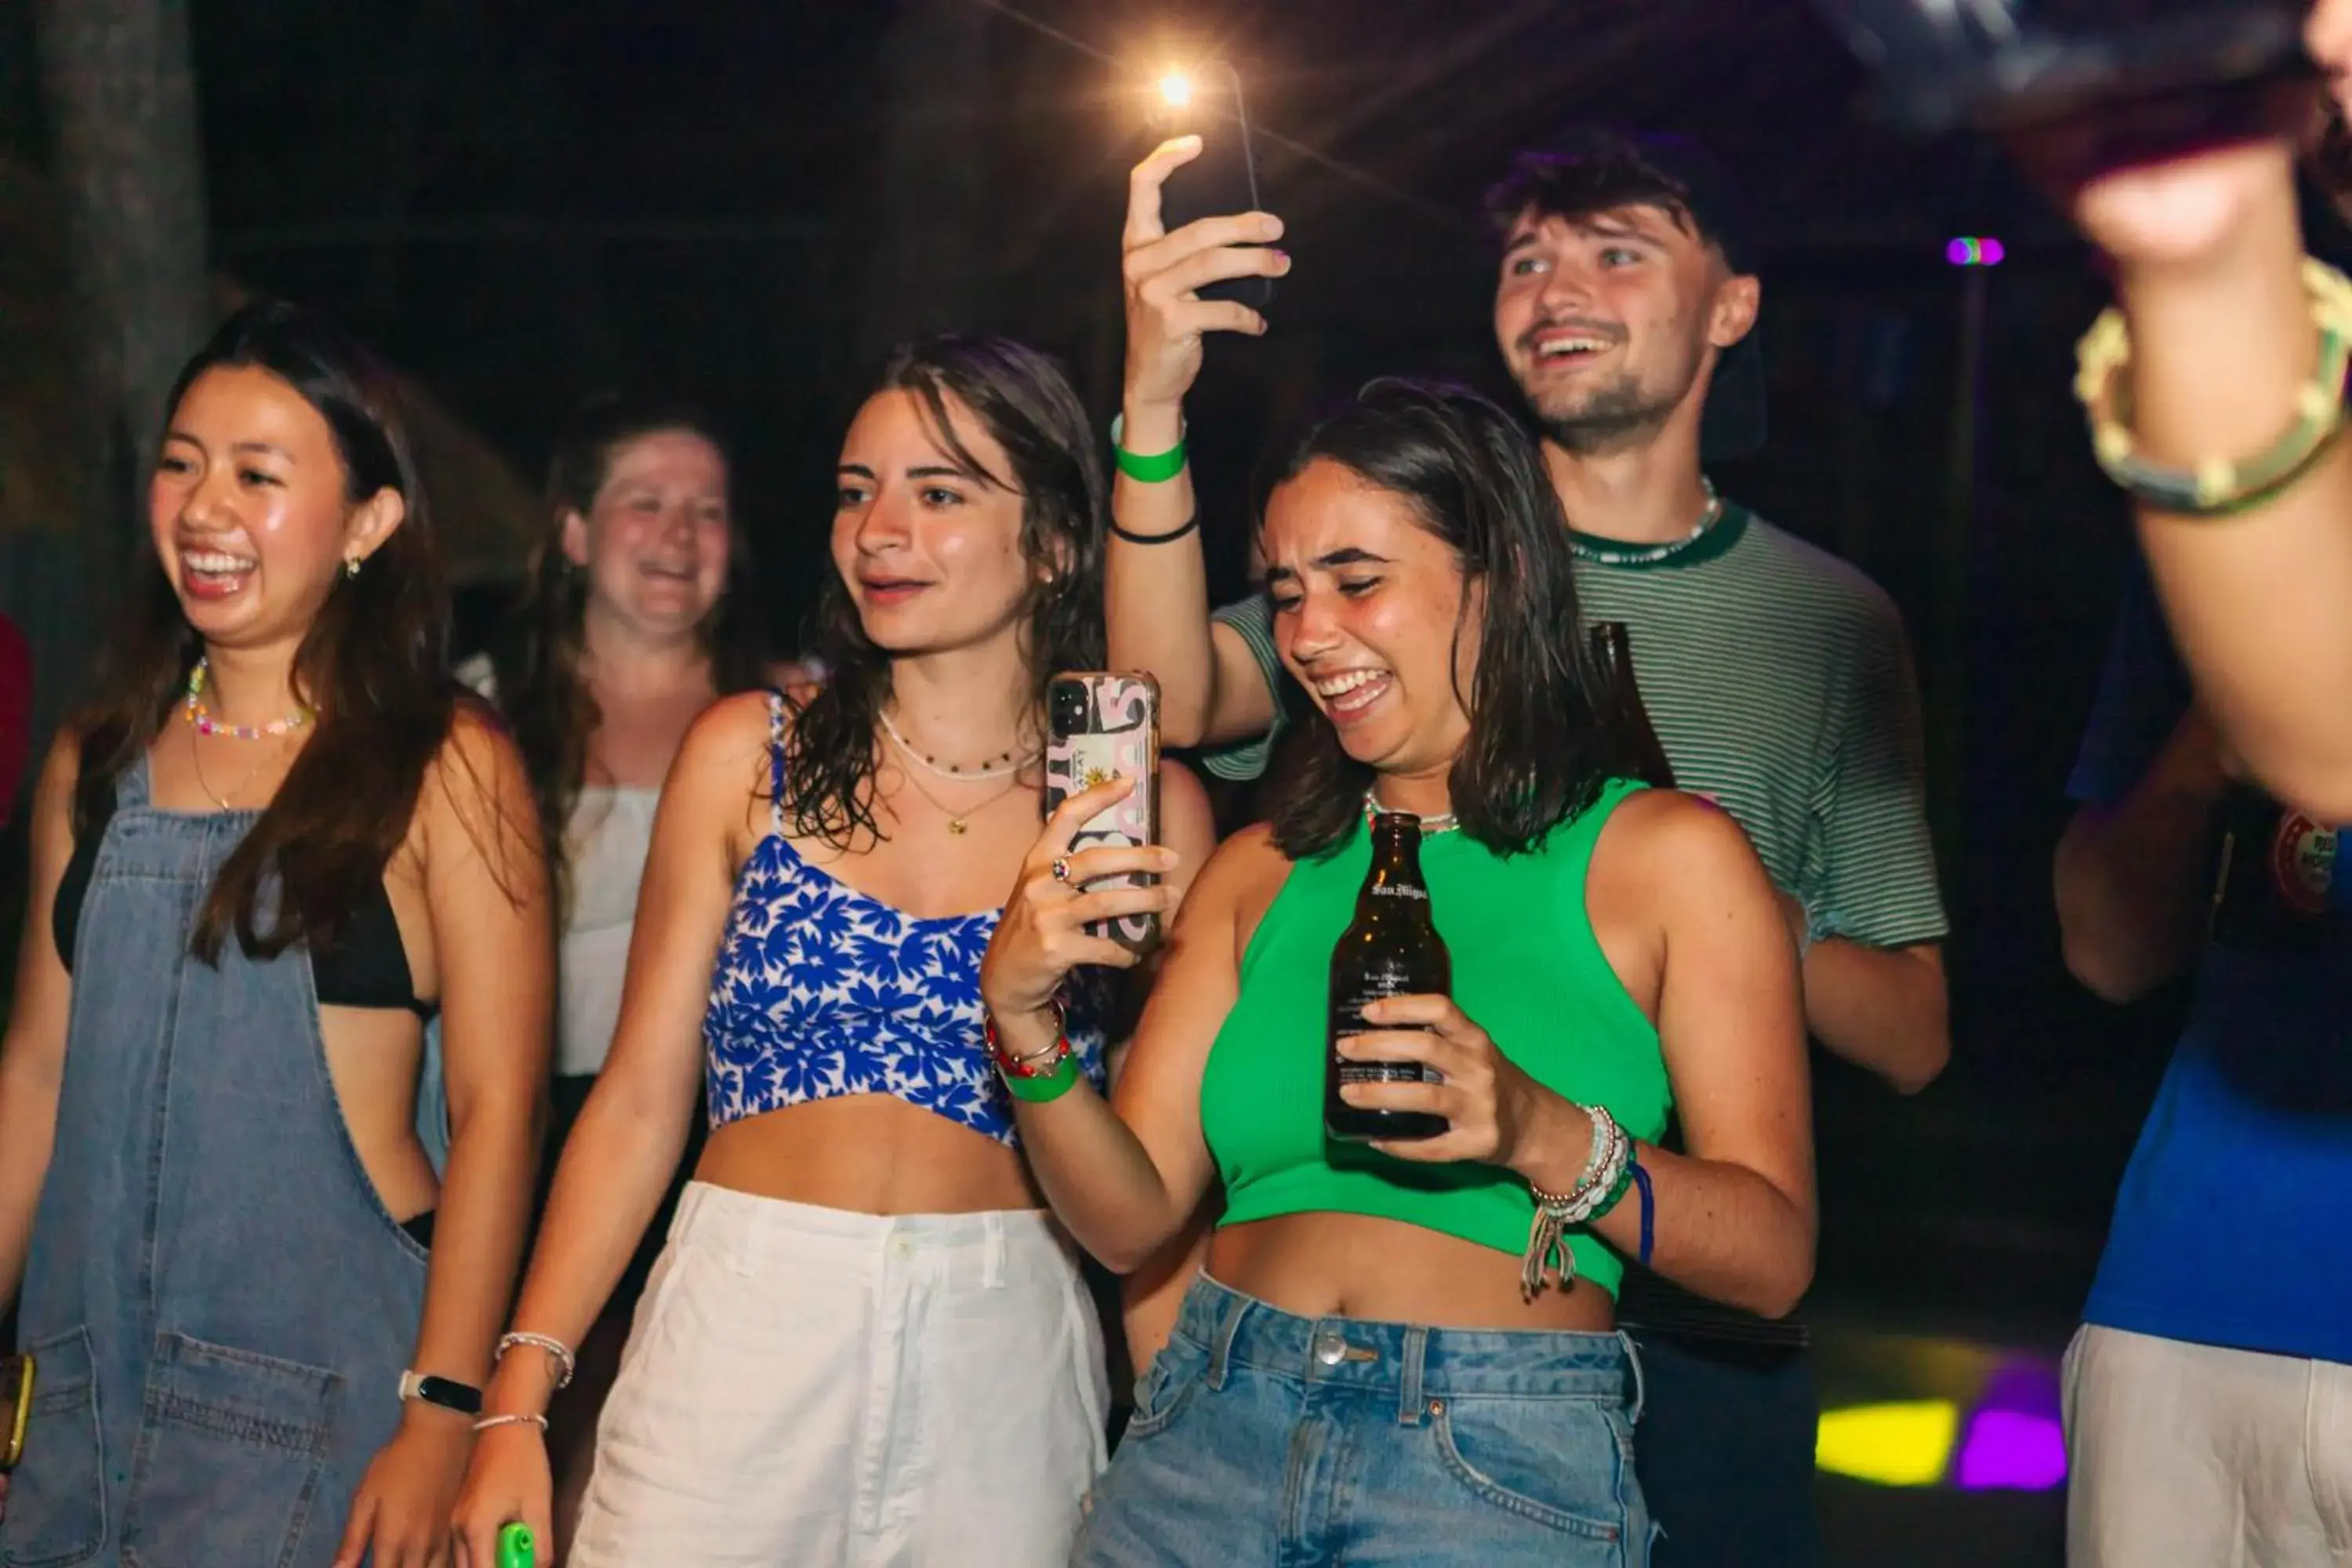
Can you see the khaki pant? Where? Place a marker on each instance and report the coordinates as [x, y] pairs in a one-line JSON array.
[[2188, 1456]]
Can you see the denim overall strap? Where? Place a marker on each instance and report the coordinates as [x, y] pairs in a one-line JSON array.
[[218, 1305]]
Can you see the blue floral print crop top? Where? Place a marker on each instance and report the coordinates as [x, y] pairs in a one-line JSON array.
[[822, 991]]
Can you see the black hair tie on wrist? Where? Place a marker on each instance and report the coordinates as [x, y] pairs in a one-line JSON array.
[[1190, 524]]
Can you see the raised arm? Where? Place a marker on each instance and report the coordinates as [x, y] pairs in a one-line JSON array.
[[631, 1133], [2209, 259], [485, 893], [1124, 1174], [33, 1052], [1153, 1293], [1156, 582]]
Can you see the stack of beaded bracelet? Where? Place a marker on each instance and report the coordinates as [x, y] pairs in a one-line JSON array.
[[1040, 1076], [556, 1351], [1607, 1174]]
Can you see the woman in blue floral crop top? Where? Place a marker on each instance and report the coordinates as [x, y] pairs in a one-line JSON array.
[[866, 1340]]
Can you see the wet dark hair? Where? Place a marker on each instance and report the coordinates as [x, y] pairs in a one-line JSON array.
[[372, 666], [540, 687], [1025, 403], [1537, 750], [1596, 170]]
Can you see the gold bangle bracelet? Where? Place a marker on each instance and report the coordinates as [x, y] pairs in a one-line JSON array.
[[2219, 487]]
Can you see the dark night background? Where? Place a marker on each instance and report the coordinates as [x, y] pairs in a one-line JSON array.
[[519, 202]]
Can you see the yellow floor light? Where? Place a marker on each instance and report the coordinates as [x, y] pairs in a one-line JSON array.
[[1908, 1444]]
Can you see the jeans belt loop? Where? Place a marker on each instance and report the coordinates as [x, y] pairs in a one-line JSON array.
[[1230, 1312], [1411, 1407], [1641, 1389]]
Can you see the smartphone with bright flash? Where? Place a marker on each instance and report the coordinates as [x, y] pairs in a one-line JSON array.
[[1207, 101]]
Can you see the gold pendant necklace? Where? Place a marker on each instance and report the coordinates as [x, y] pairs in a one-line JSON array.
[[196, 754], [958, 824]]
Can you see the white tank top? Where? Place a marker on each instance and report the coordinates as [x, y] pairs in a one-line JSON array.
[[611, 831], [609, 834]]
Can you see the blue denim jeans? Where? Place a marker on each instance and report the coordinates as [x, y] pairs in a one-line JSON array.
[[1261, 1437]]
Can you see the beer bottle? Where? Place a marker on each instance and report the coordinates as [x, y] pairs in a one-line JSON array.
[[1640, 754], [1392, 949]]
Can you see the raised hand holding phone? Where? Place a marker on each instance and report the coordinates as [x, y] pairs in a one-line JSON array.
[[1166, 275], [1044, 933], [1103, 726]]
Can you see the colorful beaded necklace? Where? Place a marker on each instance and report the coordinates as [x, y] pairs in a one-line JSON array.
[[205, 724], [1445, 822], [1617, 553]]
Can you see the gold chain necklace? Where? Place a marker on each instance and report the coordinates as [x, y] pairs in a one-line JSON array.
[[196, 754], [958, 823]]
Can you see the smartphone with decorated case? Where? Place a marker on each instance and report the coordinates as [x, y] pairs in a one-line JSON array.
[[1102, 726]]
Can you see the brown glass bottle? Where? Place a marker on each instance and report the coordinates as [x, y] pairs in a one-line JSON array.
[[1641, 755], [1392, 949]]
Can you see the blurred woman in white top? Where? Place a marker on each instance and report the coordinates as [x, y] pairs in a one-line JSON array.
[[632, 621]]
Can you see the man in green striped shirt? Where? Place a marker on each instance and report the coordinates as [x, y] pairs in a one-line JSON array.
[[1779, 679]]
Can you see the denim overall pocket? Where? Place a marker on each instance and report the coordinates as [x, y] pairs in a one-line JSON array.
[[56, 1497], [230, 1448]]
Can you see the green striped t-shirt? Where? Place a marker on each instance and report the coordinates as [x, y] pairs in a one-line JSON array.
[[1779, 681]]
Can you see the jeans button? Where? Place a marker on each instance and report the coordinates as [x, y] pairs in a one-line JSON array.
[[1331, 1349], [902, 1247]]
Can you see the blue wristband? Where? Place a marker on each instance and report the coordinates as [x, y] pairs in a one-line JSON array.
[[1649, 1210]]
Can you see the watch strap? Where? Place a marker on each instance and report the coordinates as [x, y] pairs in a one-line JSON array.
[[446, 1393]]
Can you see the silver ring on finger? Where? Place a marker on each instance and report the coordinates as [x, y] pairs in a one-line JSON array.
[[1061, 869]]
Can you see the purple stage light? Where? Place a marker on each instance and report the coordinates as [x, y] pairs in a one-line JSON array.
[[2008, 1451]]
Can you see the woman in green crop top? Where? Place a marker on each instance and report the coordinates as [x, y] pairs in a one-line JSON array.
[[1385, 1357]]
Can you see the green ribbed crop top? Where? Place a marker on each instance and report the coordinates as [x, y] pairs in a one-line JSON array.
[[1526, 970]]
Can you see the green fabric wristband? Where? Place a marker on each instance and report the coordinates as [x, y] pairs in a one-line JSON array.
[[1617, 1189], [1046, 1087], [1156, 469]]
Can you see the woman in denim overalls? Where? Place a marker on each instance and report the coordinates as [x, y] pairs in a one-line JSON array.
[[273, 848]]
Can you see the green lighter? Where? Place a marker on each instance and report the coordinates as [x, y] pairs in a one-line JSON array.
[[516, 1547]]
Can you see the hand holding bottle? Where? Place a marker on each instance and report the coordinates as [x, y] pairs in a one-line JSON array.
[[1491, 1108]]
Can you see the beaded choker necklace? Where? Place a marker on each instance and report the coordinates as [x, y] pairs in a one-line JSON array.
[[1613, 552], [205, 724], [998, 767], [1429, 825]]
